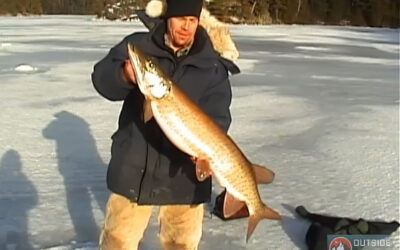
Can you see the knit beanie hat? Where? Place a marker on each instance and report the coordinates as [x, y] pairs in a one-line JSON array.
[[178, 8]]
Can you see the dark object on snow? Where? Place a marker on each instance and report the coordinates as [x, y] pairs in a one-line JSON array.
[[227, 207], [322, 225], [317, 236], [219, 208]]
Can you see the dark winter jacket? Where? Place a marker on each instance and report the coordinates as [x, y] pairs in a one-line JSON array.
[[145, 166]]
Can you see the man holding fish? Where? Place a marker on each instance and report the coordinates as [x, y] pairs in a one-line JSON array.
[[172, 134]]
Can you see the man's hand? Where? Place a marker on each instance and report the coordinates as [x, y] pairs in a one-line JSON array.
[[128, 72]]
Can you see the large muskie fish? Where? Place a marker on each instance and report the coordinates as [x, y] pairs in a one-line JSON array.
[[196, 134]]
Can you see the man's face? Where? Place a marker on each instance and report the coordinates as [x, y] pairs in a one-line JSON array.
[[182, 30]]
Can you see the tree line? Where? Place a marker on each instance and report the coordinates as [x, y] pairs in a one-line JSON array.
[[38, 7], [377, 13]]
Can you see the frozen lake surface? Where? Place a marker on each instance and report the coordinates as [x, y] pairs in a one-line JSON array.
[[317, 104]]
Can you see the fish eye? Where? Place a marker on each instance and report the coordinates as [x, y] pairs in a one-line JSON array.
[[151, 65]]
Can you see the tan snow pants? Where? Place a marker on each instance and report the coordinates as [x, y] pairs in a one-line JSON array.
[[125, 223]]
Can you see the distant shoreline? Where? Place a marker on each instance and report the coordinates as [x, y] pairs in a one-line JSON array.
[[233, 24]]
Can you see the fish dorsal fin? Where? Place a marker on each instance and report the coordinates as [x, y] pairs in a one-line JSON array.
[[232, 205], [147, 112], [263, 174], [203, 169]]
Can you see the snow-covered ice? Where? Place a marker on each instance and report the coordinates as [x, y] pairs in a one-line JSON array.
[[317, 104], [25, 68]]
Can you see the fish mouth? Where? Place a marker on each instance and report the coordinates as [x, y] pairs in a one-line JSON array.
[[137, 59], [148, 78]]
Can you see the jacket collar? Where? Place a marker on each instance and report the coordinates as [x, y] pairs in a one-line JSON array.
[[201, 55], [180, 52]]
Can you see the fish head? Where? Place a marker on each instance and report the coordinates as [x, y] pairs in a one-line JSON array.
[[152, 81]]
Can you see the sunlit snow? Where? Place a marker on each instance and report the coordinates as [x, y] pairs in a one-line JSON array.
[[317, 104]]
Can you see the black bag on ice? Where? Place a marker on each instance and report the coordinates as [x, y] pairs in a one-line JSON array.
[[322, 225], [219, 209]]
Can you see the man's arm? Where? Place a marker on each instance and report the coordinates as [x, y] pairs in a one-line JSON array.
[[113, 76], [217, 100]]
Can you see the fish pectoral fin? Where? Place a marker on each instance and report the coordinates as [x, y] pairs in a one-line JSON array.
[[263, 174], [147, 111], [232, 205], [203, 169]]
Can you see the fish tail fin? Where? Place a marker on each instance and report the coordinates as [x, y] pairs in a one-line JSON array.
[[264, 213]]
